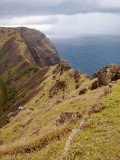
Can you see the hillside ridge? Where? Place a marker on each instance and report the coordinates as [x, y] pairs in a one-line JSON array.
[[49, 110]]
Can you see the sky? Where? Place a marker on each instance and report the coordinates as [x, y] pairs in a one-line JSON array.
[[63, 16]]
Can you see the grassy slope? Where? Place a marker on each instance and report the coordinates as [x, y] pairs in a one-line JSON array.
[[56, 136], [4, 37], [101, 135], [100, 138], [3, 95]]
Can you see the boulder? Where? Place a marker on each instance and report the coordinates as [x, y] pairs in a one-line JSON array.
[[62, 66], [108, 74], [94, 85], [83, 91], [22, 108], [11, 114]]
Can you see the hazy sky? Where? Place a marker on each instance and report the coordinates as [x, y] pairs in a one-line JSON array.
[[63, 16]]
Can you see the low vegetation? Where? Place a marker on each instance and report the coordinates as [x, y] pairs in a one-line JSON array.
[[3, 58], [33, 107], [3, 95], [100, 138], [12, 93], [26, 71]]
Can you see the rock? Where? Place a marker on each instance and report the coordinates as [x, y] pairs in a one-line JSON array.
[[39, 133], [96, 108], [60, 85], [77, 76], [31, 109], [83, 91], [107, 91], [112, 83], [62, 66], [108, 74], [22, 108], [67, 116], [77, 86], [59, 101], [54, 77], [94, 85], [11, 114]]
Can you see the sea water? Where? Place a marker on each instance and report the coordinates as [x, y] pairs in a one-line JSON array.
[[88, 53]]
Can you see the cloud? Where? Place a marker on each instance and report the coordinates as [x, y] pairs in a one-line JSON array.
[[90, 23], [63, 16], [29, 20], [12, 8]]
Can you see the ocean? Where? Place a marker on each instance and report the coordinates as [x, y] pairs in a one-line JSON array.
[[88, 53]]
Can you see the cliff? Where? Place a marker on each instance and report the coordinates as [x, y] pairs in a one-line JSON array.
[[54, 112], [23, 47]]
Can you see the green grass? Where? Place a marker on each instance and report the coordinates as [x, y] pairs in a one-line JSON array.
[[26, 71], [11, 94], [100, 138], [3, 95], [3, 58], [36, 69]]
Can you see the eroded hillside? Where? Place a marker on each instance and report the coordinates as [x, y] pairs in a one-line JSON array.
[[23, 47], [54, 112]]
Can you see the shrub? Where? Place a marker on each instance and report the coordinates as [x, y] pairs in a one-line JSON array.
[[26, 71], [95, 75], [12, 93], [9, 72], [36, 69]]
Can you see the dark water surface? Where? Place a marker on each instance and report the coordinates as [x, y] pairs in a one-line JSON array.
[[88, 53]]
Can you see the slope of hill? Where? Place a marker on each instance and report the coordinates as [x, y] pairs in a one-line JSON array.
[[54, 112], [24, 52], [3, 94], [23, 47]]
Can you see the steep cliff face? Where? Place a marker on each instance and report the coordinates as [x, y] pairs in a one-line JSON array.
[[23, 47], [40, 50]]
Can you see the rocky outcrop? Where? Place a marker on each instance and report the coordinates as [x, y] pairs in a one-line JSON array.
[[62, 66], [108, 74], [77, 76], [67, 116], [94, 85], [83, 91], [60, 85]]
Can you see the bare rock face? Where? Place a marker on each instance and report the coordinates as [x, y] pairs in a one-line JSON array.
[[67, 116], [108, 74], [62, 66], [40, 50]]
